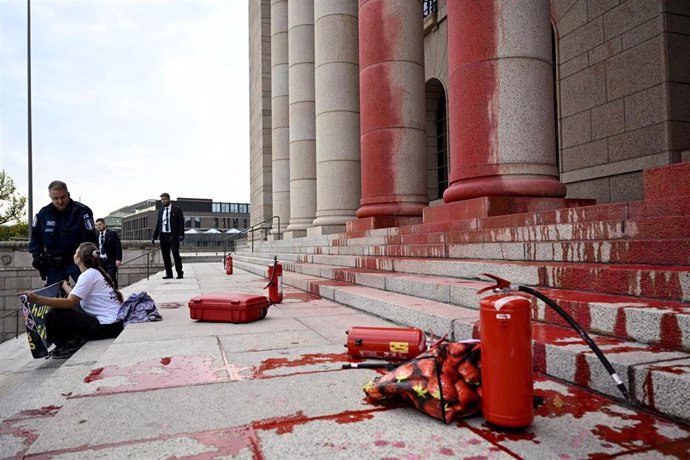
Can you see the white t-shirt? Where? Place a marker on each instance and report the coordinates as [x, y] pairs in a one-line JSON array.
[[97, 297]]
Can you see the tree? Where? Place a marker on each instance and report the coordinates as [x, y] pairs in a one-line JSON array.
[[11, 203]]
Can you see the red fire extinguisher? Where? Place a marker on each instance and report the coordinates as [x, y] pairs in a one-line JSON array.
[[228, 264], [275, 282], [506, 337], [390, 343]]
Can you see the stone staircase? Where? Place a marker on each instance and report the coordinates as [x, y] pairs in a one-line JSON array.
[[621, 270]]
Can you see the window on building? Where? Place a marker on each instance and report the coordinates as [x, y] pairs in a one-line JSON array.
[[234, 208], [441, 145]]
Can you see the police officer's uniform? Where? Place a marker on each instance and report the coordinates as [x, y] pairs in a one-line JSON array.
[[55, 236]]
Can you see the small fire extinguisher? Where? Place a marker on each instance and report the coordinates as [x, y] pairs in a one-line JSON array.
[[506, 336], [390, 343], [275, 282], [228, 264]]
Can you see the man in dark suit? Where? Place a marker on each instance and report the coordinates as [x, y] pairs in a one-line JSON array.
[[170, 228], [110, 248]]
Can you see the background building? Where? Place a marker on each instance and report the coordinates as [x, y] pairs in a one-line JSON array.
[[200, 214]]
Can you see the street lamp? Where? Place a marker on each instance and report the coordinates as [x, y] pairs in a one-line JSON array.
[[28, 71]]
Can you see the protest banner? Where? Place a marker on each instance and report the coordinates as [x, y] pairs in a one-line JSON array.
[[34, 319]]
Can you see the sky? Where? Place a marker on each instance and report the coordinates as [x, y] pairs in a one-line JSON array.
[[130, 99]]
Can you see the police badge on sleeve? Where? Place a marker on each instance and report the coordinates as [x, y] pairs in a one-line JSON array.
[[88, 222]]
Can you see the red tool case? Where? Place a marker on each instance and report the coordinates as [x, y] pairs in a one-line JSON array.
[[228, 308]]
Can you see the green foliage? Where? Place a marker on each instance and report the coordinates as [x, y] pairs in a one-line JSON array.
[[11, 203], [18, 231]]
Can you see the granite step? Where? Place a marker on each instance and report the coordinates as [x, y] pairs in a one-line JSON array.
[[656, 377], [652, 321], [650, 281]]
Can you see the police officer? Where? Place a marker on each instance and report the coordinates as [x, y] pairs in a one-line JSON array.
[[56, 233]]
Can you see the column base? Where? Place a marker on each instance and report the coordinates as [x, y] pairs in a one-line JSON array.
[[371, 223], [325, 230], [291, 234], [488, 206]]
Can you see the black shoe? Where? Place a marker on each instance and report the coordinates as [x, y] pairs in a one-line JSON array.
[[167, 277], [67, 349], [179, 277]]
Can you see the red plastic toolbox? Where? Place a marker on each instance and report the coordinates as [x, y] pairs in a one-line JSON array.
[[228, 308]]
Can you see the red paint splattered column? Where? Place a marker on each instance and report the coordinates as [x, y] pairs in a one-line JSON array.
[[280, 139], [337, 115], [302, 117], [391, 55], [502, 129]]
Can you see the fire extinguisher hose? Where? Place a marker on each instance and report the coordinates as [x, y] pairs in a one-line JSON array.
[[597, 351], [273, 273]]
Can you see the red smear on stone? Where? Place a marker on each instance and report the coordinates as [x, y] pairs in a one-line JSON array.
[[446, 451], [46, 411], [307, 359], [95, 374], [226, 443], [582, 372], [671, 334], [222, 443], [287, 423], [539, 356], [380, 442], [27, 436], [164, 373], [620, 329]]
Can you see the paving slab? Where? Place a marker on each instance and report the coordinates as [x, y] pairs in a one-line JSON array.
[[275, 388]]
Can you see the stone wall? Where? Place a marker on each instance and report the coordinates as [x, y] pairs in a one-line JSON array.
[[622, 92], [17, 275]]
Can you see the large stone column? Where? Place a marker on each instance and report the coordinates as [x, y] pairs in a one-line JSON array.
[[302, 117], [280, 139], [391, 55], [337, 114], [501, 100]]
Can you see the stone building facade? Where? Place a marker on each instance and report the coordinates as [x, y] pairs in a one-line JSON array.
[[374, 112]]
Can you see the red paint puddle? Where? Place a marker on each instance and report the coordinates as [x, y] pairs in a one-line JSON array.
[[639, 433], [164, 373], [287, 424], [306, 360], [27, 437], [221, 443]]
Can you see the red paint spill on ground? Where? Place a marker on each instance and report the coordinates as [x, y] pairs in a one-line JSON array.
[[9, 428], [305, 360], [163, 373], [287, 424]]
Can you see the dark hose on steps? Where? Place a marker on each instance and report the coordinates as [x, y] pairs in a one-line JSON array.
[[505, 286]]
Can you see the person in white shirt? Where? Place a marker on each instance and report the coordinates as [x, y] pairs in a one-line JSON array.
[[89, 312]]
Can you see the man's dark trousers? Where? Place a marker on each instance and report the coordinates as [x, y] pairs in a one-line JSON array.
[[168, 243], [111, 270]]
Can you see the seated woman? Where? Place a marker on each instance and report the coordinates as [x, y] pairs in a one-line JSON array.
[[68, 326]]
